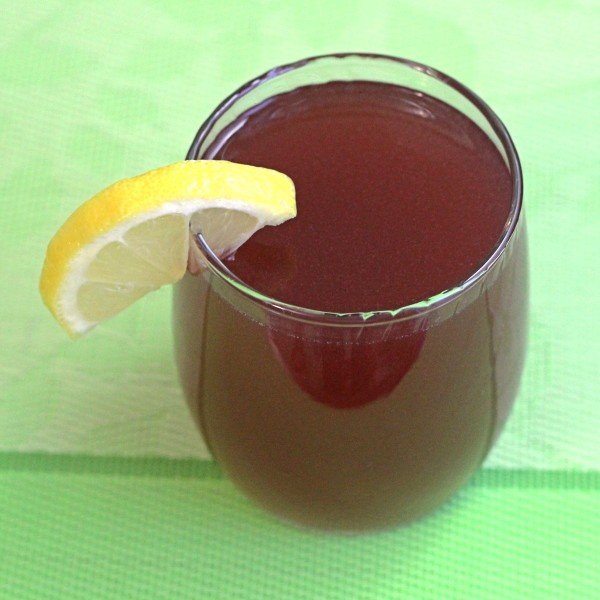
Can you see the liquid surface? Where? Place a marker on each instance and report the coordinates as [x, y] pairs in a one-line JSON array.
[[399, 196]]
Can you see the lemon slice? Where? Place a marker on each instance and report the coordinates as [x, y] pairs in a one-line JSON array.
[[134, 236]]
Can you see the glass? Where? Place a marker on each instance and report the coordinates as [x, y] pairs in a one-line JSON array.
[[428, 386]]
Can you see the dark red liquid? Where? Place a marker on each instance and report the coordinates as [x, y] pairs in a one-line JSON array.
[[399, 197]]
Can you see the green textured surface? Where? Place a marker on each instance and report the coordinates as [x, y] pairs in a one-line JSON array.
[[187, 534], [94, 92]]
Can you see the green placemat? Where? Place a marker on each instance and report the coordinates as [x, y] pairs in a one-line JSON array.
[[176, 529], [93, 92]]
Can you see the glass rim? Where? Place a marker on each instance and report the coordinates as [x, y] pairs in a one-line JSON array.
[[414, 309]]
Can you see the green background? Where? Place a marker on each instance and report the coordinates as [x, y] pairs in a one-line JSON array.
[[105, 488]]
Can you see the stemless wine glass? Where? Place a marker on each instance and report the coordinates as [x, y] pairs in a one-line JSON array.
[[352, 422]]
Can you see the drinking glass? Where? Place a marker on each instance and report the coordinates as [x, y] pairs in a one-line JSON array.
[[354, 421]]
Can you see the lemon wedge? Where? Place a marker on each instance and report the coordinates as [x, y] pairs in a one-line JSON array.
[[134, 236]]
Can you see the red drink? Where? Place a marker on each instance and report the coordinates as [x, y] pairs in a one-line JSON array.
[[399, 196], [365, 420]]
